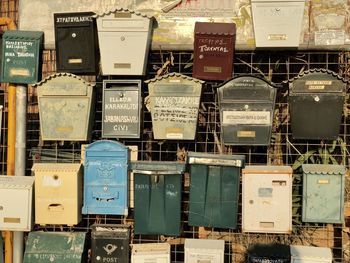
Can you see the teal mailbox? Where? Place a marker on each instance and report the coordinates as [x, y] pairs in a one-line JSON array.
[[214, 189], [21, 56], [323, 193], [157, 190]]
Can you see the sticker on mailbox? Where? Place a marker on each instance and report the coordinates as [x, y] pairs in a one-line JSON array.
[[246, 117]]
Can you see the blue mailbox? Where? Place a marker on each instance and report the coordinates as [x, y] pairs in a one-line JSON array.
[[106, 178]]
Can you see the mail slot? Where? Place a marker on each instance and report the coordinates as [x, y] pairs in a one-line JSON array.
[[247, 106], [277, 23], [316, 99], [323, 193], [153, 252], [204, 250], [76, 43], [157, 190], [307, 254], [66, 103], [43, 247], [121, 109], [16, 203], [214, 189], [124, 38], [214, 45], [272, 253], [21, 56], [110, 243], [58, 193], [106, 178], [174, 103], [267, 199]]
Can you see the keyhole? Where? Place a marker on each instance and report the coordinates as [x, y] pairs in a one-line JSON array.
[[278, 9], [317, 98], [121, 94], [74, 35], [122, 38], [55, 177], [1, 208]]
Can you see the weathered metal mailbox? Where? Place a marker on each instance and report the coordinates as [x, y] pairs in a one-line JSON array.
[[316, 99], [21, 56], [323, 193], [121, 109], [267, 199], [247, 106], [106, 178], [66, 103], [307, 254], [110, 243], [277, 23], [58, 193], [174, 103], [76, 43], [152, 252], [214, 45], [67, 247], [272, 253], [204, 250], [16, 205], [157, 190], [214, 189], [124, 38]]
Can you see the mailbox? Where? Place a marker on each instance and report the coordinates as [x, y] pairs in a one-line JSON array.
[[65, 108], [306, 254], [316, 99], [155, 253], [204, 250], [21, 56], [214, 45], [272, 253], [106, 178], [16, 203], [247, 106], [214, 189], [110, 243], [267, 199], [277, 23], [124, 38], [58, 193], [323, 193], [76, 43], [67, 247], [174, 102], [121, 108], [157, 202]]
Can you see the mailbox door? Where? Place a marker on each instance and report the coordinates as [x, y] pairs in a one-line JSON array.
[[106, 248]]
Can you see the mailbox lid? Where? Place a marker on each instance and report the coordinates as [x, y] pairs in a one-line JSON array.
[[310, 254], [204, 250], [274, 253], [107, 148], [72, 168], [267, 169], [151, 249], [16, 182], [215, 159], [154, 167]]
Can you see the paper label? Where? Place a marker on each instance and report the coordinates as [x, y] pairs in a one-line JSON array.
[[246, 117], [327, 38]]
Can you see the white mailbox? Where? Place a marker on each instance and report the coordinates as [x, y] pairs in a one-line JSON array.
[[277, 23], [16, 196], [204, 250], [267, 199], [150, 253], [306, 254], [124, 38]]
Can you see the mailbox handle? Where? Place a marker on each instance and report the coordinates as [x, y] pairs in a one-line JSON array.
[[156, 172], [56, 207]]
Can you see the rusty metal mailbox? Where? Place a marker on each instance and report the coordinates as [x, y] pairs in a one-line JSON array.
[[214, 45], [316, 99], [247, 106], [21, 56], [174, 103], [76, 43], [124, 38], [121, 109], [65, 108]]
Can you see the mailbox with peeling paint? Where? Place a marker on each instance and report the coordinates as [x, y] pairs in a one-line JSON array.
[[124, 38], [247, 106], [106, 178], [214, 189], [174, 104], [65, 104], [308, 254], [316, 99], [153, 252], [157, 189], [204, 250], [323, 193], [21, 56], [76, 43], [272, 253]]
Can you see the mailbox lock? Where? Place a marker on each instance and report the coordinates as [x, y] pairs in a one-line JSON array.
[[55, 177], [105, 188], [201, 56], [278, 9], [251, 202], [317, 98], [121, 94], [74, 35], [122, 38], [246, 106], [1, 208]]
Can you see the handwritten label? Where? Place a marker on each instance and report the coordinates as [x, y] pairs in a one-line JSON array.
[[246, 117], [213, 46]]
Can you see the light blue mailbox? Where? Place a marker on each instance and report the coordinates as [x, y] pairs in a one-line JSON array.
[[106, 178]]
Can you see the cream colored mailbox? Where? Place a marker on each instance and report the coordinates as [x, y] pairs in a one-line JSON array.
[[277, 23], [124, 38], [16, 195], [153, 252], [204, 250]]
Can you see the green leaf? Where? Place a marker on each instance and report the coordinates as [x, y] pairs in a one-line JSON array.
[[334, 144], [302, 159]]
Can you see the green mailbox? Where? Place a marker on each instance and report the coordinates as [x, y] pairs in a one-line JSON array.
[[214, 189], [157, 190], [21, 56]]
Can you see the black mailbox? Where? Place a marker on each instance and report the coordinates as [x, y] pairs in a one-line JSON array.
[[272, 253], [76, 43], [316, 99]]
